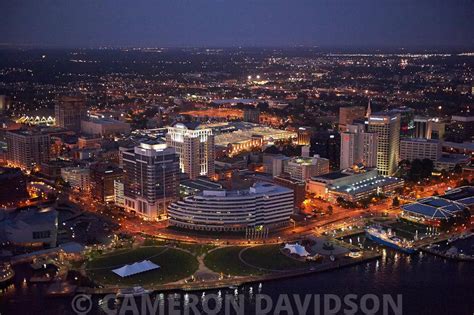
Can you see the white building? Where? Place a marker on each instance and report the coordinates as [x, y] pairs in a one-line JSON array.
[[263, 204], [358, 147], [302, 168], [194, 145], [413, 148]]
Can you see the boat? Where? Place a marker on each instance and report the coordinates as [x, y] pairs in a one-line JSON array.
[[386, 238], [136, 291]]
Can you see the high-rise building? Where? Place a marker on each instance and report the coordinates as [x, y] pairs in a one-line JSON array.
[[103, 176], [347, 115], [358, 146], [27, 149], [69, 111], [151, 178], [387, 127], [304, 135], [194, 145]]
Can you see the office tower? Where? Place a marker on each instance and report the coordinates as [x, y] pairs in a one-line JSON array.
[[69, 111], [151, 179], [347, 115], [194, 145], [103, 176], [252, 115], [27, 149], [412, 149], [358, 146], [327, 144], [304, 135], [387, 127]]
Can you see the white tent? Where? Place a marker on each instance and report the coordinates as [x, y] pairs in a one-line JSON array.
[[133, 269], [297, 249]]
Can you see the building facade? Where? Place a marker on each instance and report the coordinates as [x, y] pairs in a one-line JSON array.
[[103, 176], [264, 204], [412, 149], [303, 168], [387, 127], [347, 115], [104, 127], [151, 179], [77, 178], [27, 149], [358, 147], [69, 111], [195, 148]]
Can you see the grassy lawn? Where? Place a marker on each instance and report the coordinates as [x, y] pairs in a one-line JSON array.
[[174, 265], [226, 260], [195, 249], [270, 257]]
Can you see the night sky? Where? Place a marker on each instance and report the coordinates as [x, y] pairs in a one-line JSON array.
[[224, 23]]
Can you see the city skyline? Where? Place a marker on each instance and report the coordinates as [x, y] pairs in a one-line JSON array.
[[327, 152]]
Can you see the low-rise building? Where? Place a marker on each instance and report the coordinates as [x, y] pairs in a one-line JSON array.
[[441, 211], [28, 227], [104, 127], [301, 168], [352, 184], [264, 204], [419, 149]]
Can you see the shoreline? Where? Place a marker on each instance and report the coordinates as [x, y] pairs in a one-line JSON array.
[[239, 281]]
